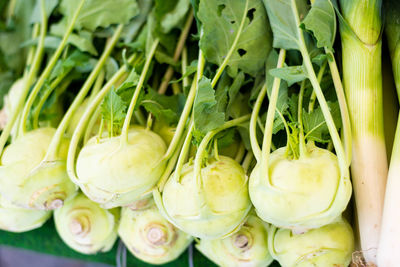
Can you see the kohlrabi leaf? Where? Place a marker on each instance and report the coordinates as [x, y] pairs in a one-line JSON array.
[[171, 13], [283, 23], [75, 59], [111, 67], [291, 74], [100, 13], [314, 123], [15, 34], [165, 108], [81, 40], [321, 21], [132, 29], [50, 5], [113, 109], [235, 97], [205, 109], [221, 20]]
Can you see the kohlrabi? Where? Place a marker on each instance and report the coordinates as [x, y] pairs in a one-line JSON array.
[[246, 247], [330, 245], [149, 236], [123, 163], [301, 185], [85, 227], [16, 219]]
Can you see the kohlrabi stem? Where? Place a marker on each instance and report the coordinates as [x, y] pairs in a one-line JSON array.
[[344, 112], [178, 51], [11, 10], [76, 137], [170, 166], [302, 141], [184, 151], [97, 85], [255, 146], [215, 149], [269, 123], [187, 108], [135, 97], [52, 151], [247, 161], [313, 95], [30, 73], [320, 95], [44, 97], [207, 138], [47, 71], [185, 80], [240, 153], [233, 47]]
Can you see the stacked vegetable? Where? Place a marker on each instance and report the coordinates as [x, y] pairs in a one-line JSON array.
[[219, 121]]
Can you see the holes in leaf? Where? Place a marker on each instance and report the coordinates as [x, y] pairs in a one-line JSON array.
[[250, 14], [232, 22], [241, 52], [220, 8]]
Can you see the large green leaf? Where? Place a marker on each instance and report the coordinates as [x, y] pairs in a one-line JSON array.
[[206, 114], [221, 22], [100, 13], [283, 23], [321, 21]]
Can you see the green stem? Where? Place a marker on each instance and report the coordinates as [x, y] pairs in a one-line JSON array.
[[47, 71], [187, 108], [205, 141], [247, 161], [76, 137], [233, 47], [240, 153], [215, 150], [11, 10], [29, 77], [185, 80], [313, 95], [184, 151], [52, 151], [344, 111], [43, 98], [177, 53], [170, 166], [97, 85], [303, 149], [269, 123], [255, 146], [135, 97]]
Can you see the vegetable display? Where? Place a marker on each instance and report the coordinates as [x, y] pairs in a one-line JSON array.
[[232, 129]]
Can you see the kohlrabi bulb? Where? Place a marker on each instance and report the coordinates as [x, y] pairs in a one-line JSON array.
[[246, 248], [29, 182], [330, 245], [149, 236], [302, 193], [85, 227], [16, 219], [211, 206], [114, 174]]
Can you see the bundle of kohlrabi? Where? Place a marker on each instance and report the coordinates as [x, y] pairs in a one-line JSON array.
[[302, 185], [124, 162]]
